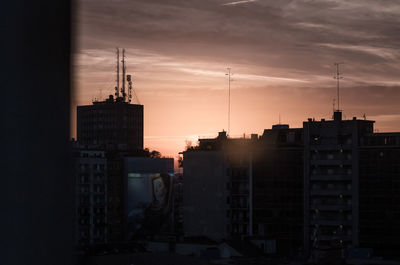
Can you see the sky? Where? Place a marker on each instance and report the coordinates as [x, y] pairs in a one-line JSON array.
[[281, 53]]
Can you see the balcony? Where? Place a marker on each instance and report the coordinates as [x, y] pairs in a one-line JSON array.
[[330, 192], [239, 207], [238, 193], [99, 180], [332, 237], [99, 191], [330, 162], [330, 222], [328, 147], [334, 207], [331, 177], [239, 221]]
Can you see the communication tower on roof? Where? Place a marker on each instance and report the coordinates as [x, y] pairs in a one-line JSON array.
[[123, 76], [338, 76], [117, 87], [121, 94], [229, 74]]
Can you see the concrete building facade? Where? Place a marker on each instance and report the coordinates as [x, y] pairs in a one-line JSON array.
[[111, 124], [246, 188], [91, 197], [205, 194], [315, 191], [116, 127], [331, 183], [278, 190], [115, 194], [379, 171]]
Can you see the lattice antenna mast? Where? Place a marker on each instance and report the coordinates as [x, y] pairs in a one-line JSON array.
[[229, 99], [123, 76], [131, 91], [129, 79], [117, 87], [338, 76]]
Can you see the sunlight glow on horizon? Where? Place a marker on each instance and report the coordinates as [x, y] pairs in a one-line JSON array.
[[281, 56]]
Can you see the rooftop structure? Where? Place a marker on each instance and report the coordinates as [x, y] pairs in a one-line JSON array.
[[114, 123]]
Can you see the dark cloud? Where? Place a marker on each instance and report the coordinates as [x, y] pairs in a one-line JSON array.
[[293, 36], [252, 32]]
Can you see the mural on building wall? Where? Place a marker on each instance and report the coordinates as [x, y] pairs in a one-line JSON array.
[[149, 203]]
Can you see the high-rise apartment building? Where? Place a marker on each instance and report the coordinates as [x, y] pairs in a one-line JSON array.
[[331, 183], [351, 187], [216, 193], [278, 190], [91, 197], [246, 188], [115, 194], [315, 191], [115, 123], [379, 193], [111, 124]]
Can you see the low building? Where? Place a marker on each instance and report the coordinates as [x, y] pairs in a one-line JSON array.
[[148, 196]]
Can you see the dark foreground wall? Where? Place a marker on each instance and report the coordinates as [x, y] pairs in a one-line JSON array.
[[36, 203]]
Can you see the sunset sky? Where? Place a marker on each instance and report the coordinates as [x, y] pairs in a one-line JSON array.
[[281, 54]]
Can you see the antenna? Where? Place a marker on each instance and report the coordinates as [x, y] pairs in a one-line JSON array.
[[333, 105], [279, 119], [337, 76], [229, 99], [131, 91], [117, 87], [123, 75], [129, 79]]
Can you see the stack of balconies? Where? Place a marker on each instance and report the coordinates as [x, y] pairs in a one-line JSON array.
[[330, 194]]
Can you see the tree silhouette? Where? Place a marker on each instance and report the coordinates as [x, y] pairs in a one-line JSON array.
[[155, 154]]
